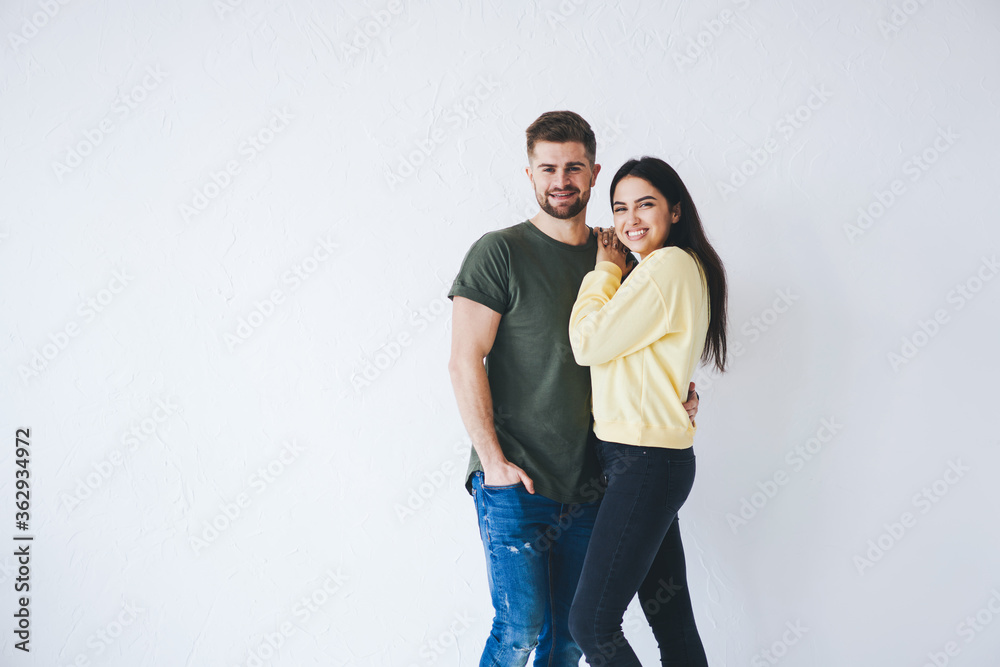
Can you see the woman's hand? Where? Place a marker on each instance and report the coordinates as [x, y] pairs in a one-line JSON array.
[[609, 248], [692, 402]]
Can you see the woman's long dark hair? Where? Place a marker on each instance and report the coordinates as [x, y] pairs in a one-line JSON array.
[[687, 233]]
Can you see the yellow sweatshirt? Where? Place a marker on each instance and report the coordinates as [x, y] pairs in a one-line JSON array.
[[642, 341]]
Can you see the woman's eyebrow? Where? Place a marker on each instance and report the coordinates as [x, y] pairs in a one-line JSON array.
[[636, 201]]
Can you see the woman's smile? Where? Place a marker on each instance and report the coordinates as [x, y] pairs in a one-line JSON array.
[[642, 216]]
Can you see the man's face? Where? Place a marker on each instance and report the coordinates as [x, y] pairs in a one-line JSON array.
[[562, 176]]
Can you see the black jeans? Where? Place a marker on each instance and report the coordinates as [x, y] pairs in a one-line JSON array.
[[636, 548]]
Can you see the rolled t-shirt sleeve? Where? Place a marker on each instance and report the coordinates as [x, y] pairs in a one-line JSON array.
[[485, 274]]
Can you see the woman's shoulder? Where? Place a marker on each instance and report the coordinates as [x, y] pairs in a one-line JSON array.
[[672, 259], [672, 269]]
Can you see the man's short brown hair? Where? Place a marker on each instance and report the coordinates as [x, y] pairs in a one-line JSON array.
[[560, 127]]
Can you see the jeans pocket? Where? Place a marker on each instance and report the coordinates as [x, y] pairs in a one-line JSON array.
[[503, 487], [480, 477]]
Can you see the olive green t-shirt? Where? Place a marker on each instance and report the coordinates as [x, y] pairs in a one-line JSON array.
[[541, 396]]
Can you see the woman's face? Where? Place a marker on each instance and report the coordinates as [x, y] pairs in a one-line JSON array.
[[642, 215]]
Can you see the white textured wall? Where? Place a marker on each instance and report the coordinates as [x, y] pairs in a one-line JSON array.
[[217, 221]]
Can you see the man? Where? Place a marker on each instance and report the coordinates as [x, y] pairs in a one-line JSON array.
[[535, 480]]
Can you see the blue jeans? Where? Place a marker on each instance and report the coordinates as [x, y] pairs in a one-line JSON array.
[[636, 548], [535, 548]]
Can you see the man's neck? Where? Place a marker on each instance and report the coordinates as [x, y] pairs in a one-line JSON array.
[[573, 231]]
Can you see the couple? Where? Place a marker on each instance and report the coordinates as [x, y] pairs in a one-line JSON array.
[[578, 515]]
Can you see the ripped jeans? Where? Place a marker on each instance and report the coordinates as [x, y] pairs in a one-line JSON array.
[[535, 548]]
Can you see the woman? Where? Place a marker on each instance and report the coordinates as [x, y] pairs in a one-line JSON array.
[[643, 339]]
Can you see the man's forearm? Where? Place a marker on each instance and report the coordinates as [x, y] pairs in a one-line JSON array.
[[475, 405]]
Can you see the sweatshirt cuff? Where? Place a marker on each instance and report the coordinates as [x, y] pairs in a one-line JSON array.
[[609, 267]]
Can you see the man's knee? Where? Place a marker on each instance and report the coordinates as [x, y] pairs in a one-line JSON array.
[[517, 620], [517, 638]]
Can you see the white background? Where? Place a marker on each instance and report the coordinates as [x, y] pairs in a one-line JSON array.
[[138, 274]]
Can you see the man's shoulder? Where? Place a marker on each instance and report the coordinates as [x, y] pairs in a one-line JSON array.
[[506, 235], [501, 240]]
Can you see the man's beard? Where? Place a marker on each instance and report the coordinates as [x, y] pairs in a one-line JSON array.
[[563, 213]]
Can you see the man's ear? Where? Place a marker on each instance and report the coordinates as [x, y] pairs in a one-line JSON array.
[[597, 170]]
